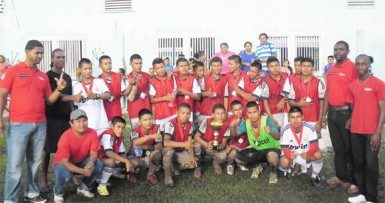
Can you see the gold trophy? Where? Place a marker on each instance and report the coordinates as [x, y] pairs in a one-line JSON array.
[[216, 126]]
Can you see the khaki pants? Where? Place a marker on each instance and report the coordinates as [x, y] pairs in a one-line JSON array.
[[219, 157]]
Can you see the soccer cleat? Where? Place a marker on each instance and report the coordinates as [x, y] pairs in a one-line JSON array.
[[273, 178], [357, 199], [58, 199], [243, 168], [37, 199], [230, 169], [132, 178], [152, 178], [85, 193], [315, 181], [255, 173], [102, 190]]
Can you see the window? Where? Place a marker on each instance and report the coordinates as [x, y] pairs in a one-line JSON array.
[[1, 6], [354, 3], [206, 44], [72, 50], [171, 48], [308, 46], [112, 6], [280, 43]]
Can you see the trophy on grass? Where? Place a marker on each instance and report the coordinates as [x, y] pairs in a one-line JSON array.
[[216, 126]]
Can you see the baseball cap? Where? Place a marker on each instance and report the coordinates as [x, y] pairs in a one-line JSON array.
[[77, 113]]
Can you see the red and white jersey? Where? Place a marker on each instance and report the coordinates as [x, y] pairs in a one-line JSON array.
[[298, 141]]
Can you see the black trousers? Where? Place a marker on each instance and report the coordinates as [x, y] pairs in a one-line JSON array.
[[366, 169], [341, 143], [252, 157]]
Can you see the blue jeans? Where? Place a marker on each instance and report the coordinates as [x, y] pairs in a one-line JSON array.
[[24, 140], [63, 176]]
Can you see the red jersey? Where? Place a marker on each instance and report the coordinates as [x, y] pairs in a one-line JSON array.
[[338, 79], [249, 87], [217, 86], [138, 133], [311, 113], [76, 149], [294, 77], [198, 104], [242, 141], [140, 102], [186, 84], [116, 142], [162, 88], [231, 80], [208, 133], [365, 95], [273, 91], [28, 90], [180, 134], [113, 108]]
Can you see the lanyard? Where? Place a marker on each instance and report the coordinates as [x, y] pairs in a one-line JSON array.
[[90, 88], [258, 131], [181, 131], [306, 88], [299, 139]]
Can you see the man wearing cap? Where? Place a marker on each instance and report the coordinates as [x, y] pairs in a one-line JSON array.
[[77, 154]]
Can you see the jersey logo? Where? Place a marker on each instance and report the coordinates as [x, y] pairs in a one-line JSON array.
[[40, 78], [330, 73], [368, 89], [24, 75], [342, 74]]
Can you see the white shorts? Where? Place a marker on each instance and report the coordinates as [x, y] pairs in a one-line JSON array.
[[163, 122]]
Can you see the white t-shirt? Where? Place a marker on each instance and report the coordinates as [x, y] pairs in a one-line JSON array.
[[288, 140], [94, 108]]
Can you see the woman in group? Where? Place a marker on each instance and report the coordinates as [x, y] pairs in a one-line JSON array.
[[286, 68], [224, 56], [247, 56]]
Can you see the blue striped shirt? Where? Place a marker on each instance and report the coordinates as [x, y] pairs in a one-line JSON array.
[[264, 51]]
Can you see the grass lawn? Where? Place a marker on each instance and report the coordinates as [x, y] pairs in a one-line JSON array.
[[212, 187]]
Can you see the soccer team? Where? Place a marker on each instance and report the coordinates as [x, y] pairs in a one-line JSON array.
[[181, 119]]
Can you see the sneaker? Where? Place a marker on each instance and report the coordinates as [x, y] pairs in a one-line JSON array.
[[243, 168], [315, 181], [132, 178], [58, 199], [256, 171], [102, 190], [152, 178], [273, 178], [357, 199], [230, 169], [85, 193], [37, 199], [168, 181]]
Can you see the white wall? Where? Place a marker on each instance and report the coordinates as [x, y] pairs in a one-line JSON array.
[[232, 21]]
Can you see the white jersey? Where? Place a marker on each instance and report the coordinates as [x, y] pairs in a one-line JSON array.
[[107, 142], [289, 140], [94, 108]]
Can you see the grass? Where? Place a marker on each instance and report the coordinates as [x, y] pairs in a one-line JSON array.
[[212, 187]]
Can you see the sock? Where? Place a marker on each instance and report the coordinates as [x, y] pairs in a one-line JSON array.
[[288, 169], [106, 174], [317, 167]]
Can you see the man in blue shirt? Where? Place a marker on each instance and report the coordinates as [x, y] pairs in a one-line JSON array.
[[167, 64], [330, 63], [265, 50]]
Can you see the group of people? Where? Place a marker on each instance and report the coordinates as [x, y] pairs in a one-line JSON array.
[[187, 115]]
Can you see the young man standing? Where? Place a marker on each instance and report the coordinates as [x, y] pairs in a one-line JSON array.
[[162, 94], [366, 97], [300, 146], [308, 93], [264, 51], [141, 81], [274, 92], [298, 70], [234, 77], [27, 122], [77, 153], [179, 151], [263, 137], [338, 79], [330, 63]]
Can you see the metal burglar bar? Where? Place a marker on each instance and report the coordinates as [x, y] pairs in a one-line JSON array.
[[117, 5], [171, 48], [308, 46], [280, 43], [45, 63], [206, 44], [73, 53], [1, 6], [361, 2]]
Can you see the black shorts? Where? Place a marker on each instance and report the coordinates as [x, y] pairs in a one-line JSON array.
[[251, 156], [55, 128]]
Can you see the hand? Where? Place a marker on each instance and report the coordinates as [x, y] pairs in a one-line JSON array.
[[131, 81], [348, 124], [324, 122], [90, 165], [87, 172], [267, 129], [2, 128], [293, 155], [184, 92], [91, 95], [78, 97], [375, 141], [281, 104], [209, 145], [156, 136], [304, 103], [209, 94], [188, 145], [246, 64], [61, 83], [264, 60], [129, 167], [235, 123], [317, 127], [169, 97], [304, 155]]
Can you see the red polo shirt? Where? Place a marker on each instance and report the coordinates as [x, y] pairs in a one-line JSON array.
[[365, 96], [28, 89], [76, 149], [338, 79]]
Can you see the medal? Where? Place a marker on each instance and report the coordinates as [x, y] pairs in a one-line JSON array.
[[256, 143], [214, 94], [233, 93], [240, 140], [308, 99]]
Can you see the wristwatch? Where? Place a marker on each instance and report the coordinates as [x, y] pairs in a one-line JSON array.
[[97, 96]]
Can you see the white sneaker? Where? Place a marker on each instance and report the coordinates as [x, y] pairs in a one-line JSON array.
[[243, 168], [58, 199], [230, 169], [357, 199], [85, 193]]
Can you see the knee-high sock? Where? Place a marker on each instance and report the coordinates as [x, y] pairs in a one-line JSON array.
[[106, 174], [317, 167]]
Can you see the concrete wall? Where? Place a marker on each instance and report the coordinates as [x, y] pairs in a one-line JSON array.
[[232, 21]]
